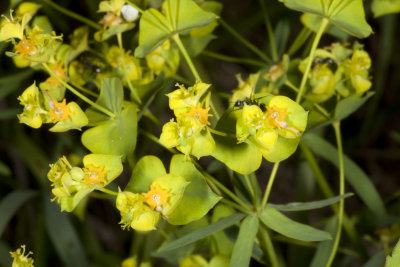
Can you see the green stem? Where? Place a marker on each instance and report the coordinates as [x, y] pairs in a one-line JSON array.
[[187, 57], [135, 6], [269, 186], [107, 191], [303, 36], [181, 79], [314, 46], [317, 106], [269, 247], [133, 91], [222, 187], [193, 69], [78, 94], [244, 41], [271, 36], [233, 59], [86, 90], [336, 127], [236, 206], [156, 140], [221, 133], [250, 188], [73, 15]]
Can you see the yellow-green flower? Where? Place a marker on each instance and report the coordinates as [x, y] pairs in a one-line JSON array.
[[21, 259], [164, 58], [72, 184], [131, 65], [359, 65], [134, 213]]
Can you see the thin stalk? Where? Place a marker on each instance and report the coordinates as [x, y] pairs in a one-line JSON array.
[[73, 14], [221, 133], [271, 36], [156, 140], [317, 106], [244, 41], [226, 58], [187, 57], [193, 69], [148, 114], [234, 205], [181, 79], [107, 191], [336, 127], [314, 46], [135, 6], [250, 188], [133, 91], [222, 187], [269, 186], [84, 90], [299, 41], [78, 94], [269, 247]]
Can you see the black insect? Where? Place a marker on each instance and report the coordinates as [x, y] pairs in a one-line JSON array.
[[92, 66], [247, 101], [319, 61]]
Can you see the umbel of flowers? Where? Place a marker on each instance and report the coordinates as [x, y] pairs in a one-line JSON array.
[[71, 184], [270, 129], [190, 133]]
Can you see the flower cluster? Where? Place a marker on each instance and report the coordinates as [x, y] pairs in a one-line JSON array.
[[190, 133], [72, 184], [40, 107], [141, 211], [338, 69]]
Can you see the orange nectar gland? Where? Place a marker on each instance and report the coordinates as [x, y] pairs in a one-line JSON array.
[[276, 117], [58, 70], [109, 20], [201, 114], [59, 111], [25, 47], [94, 175], [156, 197]]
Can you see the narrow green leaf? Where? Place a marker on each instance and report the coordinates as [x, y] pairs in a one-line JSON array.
[[63, 236], [376, 261], [201, 233], [349, 105], [287, 227], [300, 206], [10, 204], [384, 7], [242, 250], [360, 182], [5, 258]]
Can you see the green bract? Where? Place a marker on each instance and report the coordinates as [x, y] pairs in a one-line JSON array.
[[339, 12], [156, 28], [33, 114], [190, 197]]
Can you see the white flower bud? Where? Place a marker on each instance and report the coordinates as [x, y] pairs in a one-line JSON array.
[[130, 13]]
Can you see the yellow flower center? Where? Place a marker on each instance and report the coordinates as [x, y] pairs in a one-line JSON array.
[[156, 196], [201, 114], [59, 111], [60, 71], [276, 116], [109, 20], [94, 175], [25, 47]]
